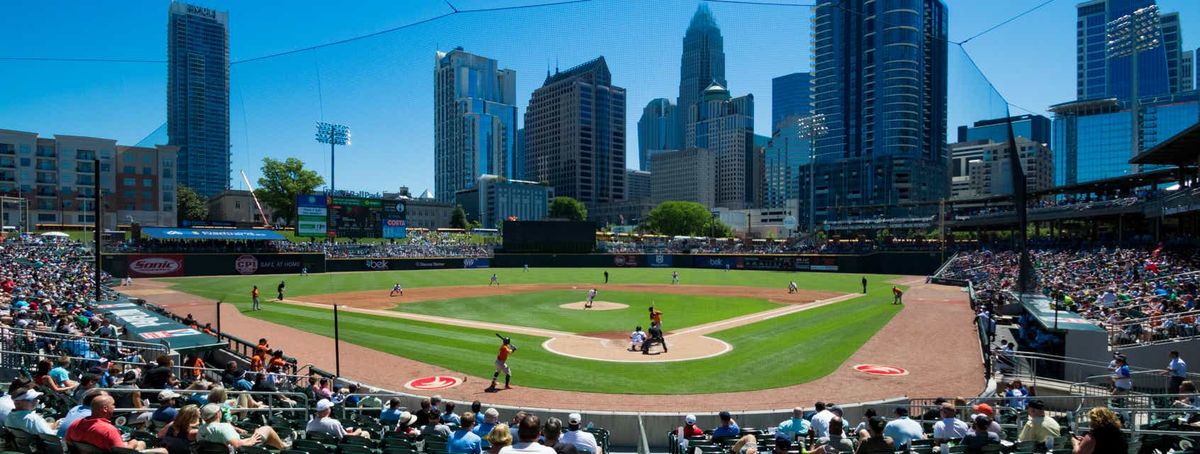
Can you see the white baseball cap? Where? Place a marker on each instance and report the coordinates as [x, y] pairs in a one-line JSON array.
[[167, 395], [574, 418], [690, 419], [324, 404], [29, 394]]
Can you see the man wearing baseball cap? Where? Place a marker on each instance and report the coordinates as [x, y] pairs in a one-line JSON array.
[[1038, 428], [988, 412], [24, 417], [323, 423], [581, 439], [166, 408]]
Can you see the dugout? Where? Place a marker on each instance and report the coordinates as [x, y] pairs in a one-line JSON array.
[[549, 236]]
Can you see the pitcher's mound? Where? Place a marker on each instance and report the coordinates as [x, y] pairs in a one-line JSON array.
[[596, 306]]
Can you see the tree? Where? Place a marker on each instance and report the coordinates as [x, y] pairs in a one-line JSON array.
[[567, 208], [683, 218], [282, 181], [715, 228], [458, 218], [189, 205]]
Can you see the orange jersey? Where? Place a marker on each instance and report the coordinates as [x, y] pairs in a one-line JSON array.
[[254, 293], [656, 316], [256, 363], [505, 350], [278, 362]]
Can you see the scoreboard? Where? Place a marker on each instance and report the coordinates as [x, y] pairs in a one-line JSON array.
[[350, 217], [354, 217]]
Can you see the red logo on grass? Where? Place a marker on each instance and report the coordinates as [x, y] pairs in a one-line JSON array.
[[877, 369], [433, 383]]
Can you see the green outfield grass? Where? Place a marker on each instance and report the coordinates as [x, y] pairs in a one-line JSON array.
[[237, 288], [540, 310], [783, 351]]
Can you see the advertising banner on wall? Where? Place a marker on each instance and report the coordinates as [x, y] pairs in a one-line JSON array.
[[267, 264], [816, 263], [395, 224], [767, 263], [155, 265], [659, 260], [312, 215], [701, 261], [477, 263], [625, 260]]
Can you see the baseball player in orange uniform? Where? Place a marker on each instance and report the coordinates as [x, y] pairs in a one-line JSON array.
[[507, 348]]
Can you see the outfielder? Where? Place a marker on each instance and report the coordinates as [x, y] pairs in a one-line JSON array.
[[495, 280], [674, 277], [591, 296], [506, 349], [396, 289]]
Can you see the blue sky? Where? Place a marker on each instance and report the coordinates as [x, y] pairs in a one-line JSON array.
[[382, 86]]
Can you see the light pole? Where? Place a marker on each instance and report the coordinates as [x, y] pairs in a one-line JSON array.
[[1128, 36], [334, 135], [812, 127]]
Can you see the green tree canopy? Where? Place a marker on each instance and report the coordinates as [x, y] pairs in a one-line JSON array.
[[189, 205], [685, 218], [282, 181], [567, 208], [458, 218]]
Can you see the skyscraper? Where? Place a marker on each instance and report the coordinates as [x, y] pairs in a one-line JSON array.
[[1032, 127], [1187, 68], [790, 97], [1101, 75], [198, 95], [658, 130], [725, 126], [883, 102], [475, 121], [787, 151], [575, 134], [702, 63], [1172, 37]]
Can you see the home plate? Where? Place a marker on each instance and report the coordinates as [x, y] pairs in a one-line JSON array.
[[596, 306]]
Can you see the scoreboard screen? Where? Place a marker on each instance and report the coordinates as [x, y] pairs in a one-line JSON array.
[[353, 217]]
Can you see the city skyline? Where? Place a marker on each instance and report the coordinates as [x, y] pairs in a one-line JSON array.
[[266, 121]]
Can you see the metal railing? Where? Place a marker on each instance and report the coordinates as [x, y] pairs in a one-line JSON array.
[[1147, 330], [51, 344], [242, 347], [277, 401]]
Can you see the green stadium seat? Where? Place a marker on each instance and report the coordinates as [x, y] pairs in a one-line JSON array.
[[208, 447], [253, 450], [25, 443], [50, 444]]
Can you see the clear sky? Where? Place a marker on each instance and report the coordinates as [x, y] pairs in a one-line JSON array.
[[382, 87]]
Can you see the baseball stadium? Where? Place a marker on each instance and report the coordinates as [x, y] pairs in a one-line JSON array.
[[827, 270]]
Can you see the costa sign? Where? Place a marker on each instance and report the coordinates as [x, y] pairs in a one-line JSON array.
[[879, 369], [433, 383], [156, 266]]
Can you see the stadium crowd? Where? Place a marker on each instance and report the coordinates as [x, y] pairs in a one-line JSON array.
[[1139, 295], [150, 404], [418, 244]]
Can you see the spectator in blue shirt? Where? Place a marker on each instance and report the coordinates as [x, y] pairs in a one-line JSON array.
[[903, 430], [728, 427], [465, 440], [391, 414]]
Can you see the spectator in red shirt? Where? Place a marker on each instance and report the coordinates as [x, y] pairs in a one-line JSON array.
[[98, 430]]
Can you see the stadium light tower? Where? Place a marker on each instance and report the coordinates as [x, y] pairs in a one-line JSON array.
[[1128, 36], [812, 127], [334, 135]]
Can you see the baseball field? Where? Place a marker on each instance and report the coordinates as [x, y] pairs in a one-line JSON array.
[[727, 330]]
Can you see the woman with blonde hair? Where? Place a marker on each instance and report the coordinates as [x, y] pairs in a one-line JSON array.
[[1104, 434], [178, 436], [499, 438]]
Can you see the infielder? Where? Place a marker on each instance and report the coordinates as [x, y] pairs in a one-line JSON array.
[[495, 280], [507, 348], [793, 288], [674, 277], [396, 289], [591, 296]]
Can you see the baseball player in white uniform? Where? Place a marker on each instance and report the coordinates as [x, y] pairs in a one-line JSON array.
[[591, 296], [397, 289]]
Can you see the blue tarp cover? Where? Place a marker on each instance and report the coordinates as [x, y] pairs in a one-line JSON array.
[[164, 233]]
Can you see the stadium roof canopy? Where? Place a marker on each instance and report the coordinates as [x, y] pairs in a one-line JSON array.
[[167, 233], [1182, 149]]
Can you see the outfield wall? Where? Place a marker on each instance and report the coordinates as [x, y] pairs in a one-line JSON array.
[[217, 264]]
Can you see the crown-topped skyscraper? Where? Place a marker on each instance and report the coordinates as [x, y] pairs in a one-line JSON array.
[[702, 63]]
